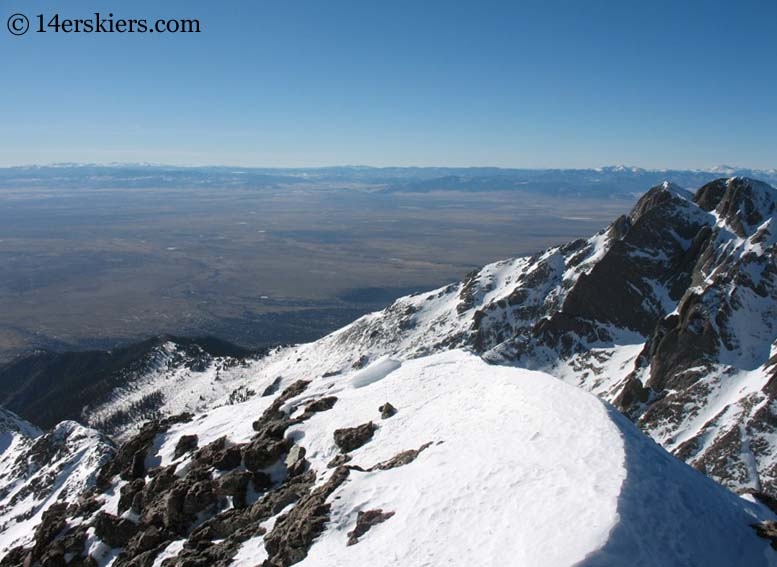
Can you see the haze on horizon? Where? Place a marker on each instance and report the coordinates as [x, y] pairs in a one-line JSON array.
[[663, 85]]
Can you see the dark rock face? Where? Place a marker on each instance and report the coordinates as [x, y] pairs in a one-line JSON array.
[[401, 459], [350, 439], [627, 280], [314, 407], [49, 548], [129, 460], [272, 388], [293, 534], [220, 455], [295, 460], [186, 444], [743, 206], [709, 196], [116, 532], [131, 496], [234, 484], [365, 521], [619, 290], [691, 353], [338, 461], [387, 411], [53, 522]]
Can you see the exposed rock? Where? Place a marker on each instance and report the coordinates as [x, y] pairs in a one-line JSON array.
[[16, 557], [274, 421], [261, 481], [186, 444], [339, 460], [766, 499], [365, 521], [323, 404], [150, 538], [199, 497], [293, 534], [116, 532], [272, 388], [131, 496], [234, 484], [159, 484], [262, 452], [53, 521], [269, 444], [220, 455], [387, 411], [295, 461], [768, 531], [129, 460], [292, 490], [349, 439], [401, 459]]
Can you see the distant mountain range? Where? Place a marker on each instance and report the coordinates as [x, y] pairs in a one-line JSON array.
[[597, 182]]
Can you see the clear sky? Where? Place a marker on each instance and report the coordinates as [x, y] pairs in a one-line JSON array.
[[424, 82]]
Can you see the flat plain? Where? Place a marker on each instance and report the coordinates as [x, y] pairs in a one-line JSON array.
[[91, 266]]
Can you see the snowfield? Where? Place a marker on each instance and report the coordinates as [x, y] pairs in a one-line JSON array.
[[37, 470], [522, 469]]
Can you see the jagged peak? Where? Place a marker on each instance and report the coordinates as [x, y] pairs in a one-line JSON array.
[[675, 189], [656, 196], [742, 203]]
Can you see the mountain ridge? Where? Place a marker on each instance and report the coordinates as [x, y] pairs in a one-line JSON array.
[[668, 313], [573, 481]]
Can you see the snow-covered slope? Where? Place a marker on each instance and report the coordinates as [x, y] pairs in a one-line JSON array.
[[38, 470], [471, 464], [669, 313], [173, 379], [14, 429], [115, 391]]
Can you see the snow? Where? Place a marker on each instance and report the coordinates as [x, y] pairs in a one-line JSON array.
[[171, 550], [29, 484], [375, 372], [522, 470], [182, 389], [251, 553], [601, 371], [499, 453]]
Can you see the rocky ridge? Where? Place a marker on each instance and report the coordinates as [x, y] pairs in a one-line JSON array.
[[317, 478]]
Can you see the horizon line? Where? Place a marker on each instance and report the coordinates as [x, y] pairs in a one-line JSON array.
[[601, 168]]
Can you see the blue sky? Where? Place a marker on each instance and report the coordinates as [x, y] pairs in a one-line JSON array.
[[306, 83]]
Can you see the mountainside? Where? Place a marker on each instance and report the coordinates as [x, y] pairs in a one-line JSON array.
[[117, 390], [39, 470], [442, 436], [440, 460], [669, 313]]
